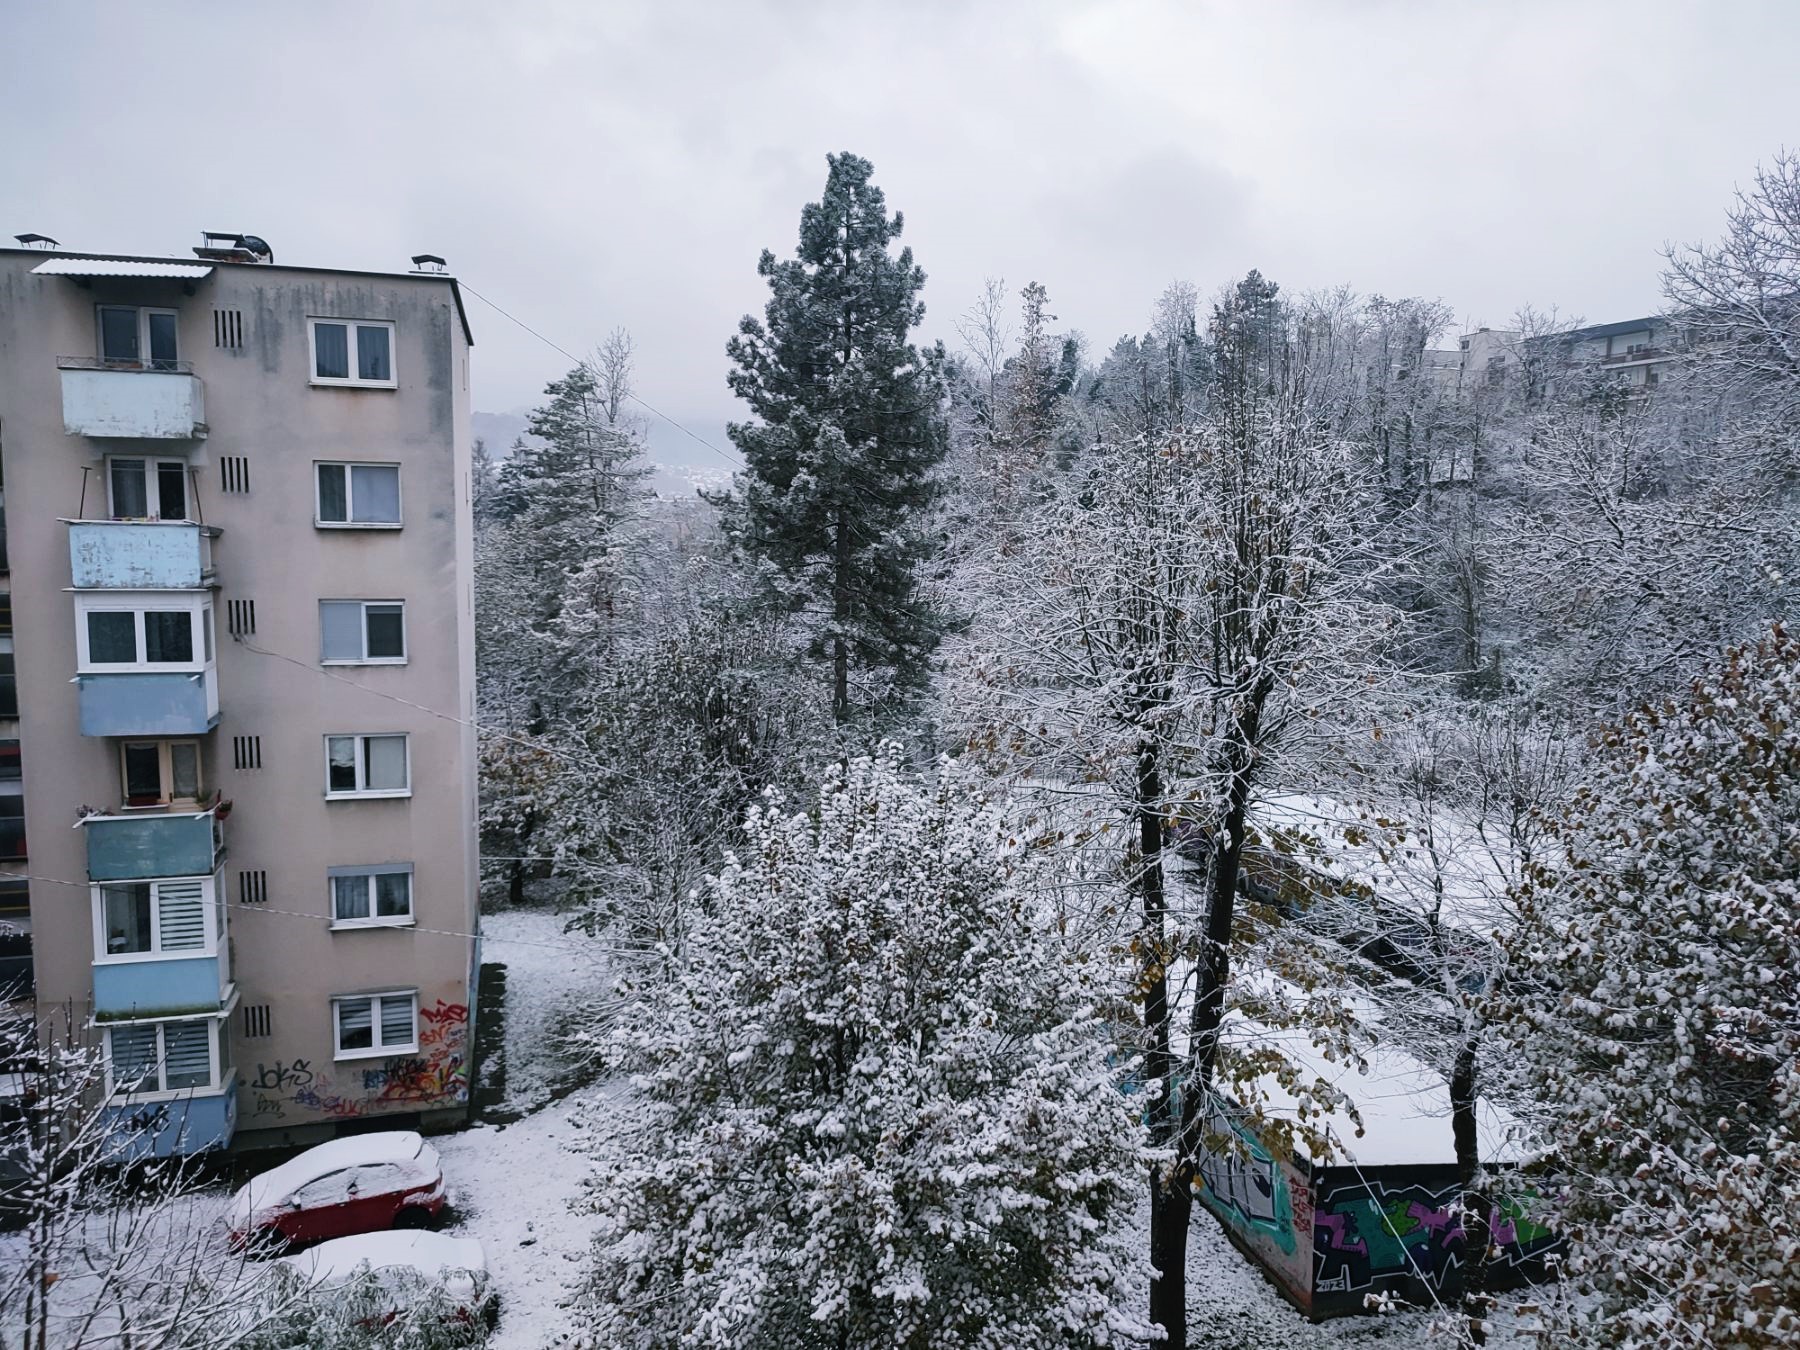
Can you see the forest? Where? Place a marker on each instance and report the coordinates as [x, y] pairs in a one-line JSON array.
[[1052, 764]]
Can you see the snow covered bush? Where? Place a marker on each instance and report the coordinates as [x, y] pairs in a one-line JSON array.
[[877, 1109], [1664, 946]]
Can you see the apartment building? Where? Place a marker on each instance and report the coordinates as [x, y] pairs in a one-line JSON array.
[[238, 522], [1632, 353]]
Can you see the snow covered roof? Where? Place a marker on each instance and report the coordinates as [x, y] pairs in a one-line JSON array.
[[120, 267], [1404, 1104], [357, 1150], [431, 1254]]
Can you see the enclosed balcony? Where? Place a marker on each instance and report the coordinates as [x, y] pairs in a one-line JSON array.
[[155, 844], [119, 401], [166, 988], [164, 555], [144, 662]]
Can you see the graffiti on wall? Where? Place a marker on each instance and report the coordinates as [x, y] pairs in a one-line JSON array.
[[436, 1075], [1368, 1235], [1267, 1202]]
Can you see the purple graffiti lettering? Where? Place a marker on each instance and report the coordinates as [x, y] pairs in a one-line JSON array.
[[1337, 1225], [1443, 1223]]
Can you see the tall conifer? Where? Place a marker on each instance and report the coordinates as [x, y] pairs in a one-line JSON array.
[[849, 426]]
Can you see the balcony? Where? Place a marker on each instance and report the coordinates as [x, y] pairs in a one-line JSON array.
[[1637, 356], [129, 402], [149, 703], [200, 1122], [159, 844], [155, 555], [168, 987]]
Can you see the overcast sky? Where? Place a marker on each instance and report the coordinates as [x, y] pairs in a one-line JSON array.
[[592, 165]]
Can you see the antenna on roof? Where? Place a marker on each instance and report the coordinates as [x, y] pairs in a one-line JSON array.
[[36, 241], [429, 262]]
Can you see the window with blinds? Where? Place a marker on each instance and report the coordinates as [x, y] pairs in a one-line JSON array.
[[377, 1024], [187, 1055], [161, 1057], [131, 1058], [181, 915]]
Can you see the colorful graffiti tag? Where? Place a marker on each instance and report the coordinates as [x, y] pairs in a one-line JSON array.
[[437, 1075], [1371, 1235], [1266, 1202]]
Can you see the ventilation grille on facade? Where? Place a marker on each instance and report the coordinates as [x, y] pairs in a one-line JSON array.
[[257, 1022], [253, 887], [240, 617], [235, 470], [228, 328], [246, 752]]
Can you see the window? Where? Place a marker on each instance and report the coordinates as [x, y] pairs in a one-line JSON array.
[[369, 896], [362, 631], [354, 352], [144, 338], [165, 1056], [154, 918], [376, 1024], [10, 770], [173, 635], [147, 489], [367, 766], [234, 473], [246, 752], [257, 1023], [358, 494], [12, 826], [160, 772]]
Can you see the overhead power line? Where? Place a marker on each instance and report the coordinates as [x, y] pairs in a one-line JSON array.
[[580, 361]]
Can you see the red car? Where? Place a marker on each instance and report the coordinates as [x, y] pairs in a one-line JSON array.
[[360, 1184]]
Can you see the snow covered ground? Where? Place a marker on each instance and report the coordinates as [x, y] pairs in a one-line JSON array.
[[513, 1186]]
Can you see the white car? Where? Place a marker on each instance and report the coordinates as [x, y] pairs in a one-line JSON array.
[[401, 1263]]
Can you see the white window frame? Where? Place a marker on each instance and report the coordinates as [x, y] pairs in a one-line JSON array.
[[368, 874], [138, 603], [215, 1062], [209, 892], [346, 465], [165, 769], [365, 659], [362, 766], [379, 1049], [353, 343], [152, 496], [143, 334]]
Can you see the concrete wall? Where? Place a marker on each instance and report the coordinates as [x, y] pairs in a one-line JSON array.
[[265, 415]]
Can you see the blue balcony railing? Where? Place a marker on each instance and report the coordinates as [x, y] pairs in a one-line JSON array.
[[140, 554], [201, 1122], [166, 987], [140, 848], [148, 703]]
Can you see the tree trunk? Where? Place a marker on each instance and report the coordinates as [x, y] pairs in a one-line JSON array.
[[1476, 1203], [1171, 1200], [840, 609]]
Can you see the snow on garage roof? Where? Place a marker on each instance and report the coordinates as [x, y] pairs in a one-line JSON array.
[[356, 1150], [119, 267]]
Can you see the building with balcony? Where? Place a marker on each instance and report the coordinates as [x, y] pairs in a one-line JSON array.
[[237, 498]]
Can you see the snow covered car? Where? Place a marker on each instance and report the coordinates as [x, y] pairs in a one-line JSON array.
[[405, 1268], [360, 1184]]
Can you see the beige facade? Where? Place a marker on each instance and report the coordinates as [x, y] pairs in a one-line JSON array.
[[303, 444]]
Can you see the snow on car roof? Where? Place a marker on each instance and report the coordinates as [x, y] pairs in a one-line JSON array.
[[357, 1150], [431, 1254]]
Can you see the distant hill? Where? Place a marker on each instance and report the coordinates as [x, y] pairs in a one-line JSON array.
[[501, 430]]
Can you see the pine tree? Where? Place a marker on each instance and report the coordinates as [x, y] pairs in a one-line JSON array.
[[849, 427]]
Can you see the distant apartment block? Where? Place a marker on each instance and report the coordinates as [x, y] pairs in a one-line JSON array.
[[237, 770], [1632, 354]]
